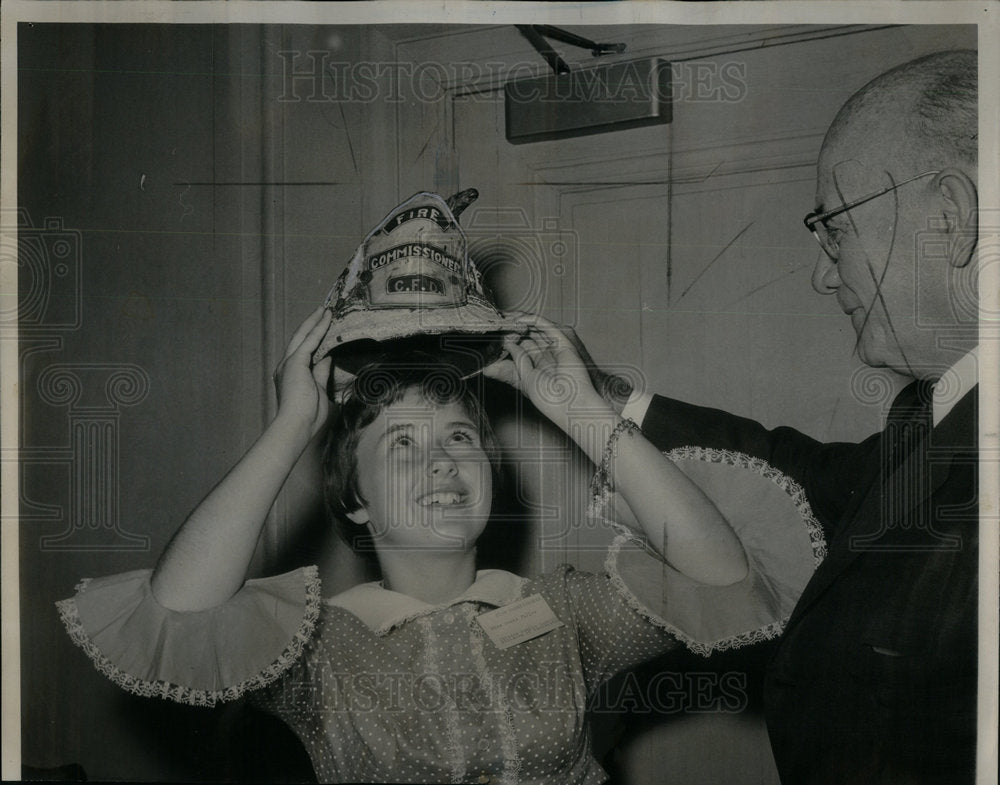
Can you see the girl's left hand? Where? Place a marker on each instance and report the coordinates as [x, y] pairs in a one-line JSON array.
[[545, 366]]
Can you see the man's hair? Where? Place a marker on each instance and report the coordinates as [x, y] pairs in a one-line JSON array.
[[377, 386], [935, 98]]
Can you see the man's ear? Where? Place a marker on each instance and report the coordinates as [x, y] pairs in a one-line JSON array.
[[960, 204], [359, 516]]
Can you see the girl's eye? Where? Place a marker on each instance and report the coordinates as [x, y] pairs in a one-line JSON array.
[[463, 437], [402, 440]]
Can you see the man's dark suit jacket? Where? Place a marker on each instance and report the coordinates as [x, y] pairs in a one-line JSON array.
[[874, 678]]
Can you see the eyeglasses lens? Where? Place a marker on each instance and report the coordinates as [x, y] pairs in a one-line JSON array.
[[827, 243]]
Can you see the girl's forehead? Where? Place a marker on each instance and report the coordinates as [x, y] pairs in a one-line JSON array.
[[413, 407]]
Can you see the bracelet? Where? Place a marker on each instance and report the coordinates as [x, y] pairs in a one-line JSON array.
[[601, 487]]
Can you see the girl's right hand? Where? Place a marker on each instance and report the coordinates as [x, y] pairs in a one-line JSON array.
[[300, 385], [547, 369]]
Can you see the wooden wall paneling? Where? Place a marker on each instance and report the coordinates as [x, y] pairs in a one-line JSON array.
[[380, 189], [159, 306], [238, 197], [317, 145]]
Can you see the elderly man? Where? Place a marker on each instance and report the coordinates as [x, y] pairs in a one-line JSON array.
[[874, 679]]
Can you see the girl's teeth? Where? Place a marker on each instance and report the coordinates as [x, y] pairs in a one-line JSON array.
[[442, 498]]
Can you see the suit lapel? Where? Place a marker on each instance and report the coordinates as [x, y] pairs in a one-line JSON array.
[[874, 522]]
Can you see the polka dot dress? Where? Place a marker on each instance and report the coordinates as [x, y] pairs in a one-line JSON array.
[[432, 699]]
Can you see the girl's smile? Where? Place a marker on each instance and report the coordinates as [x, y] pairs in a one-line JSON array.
[[423, 475]]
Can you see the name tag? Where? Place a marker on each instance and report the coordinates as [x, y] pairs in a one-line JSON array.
[[519, 622]]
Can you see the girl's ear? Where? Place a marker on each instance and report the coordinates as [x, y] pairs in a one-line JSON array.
[[360, 516]]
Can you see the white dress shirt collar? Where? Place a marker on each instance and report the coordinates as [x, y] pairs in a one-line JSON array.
[[954, 384]]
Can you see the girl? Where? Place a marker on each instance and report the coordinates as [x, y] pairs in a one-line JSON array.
[[439, 672]]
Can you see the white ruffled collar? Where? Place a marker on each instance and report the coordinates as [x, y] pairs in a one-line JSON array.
[[382, 609]]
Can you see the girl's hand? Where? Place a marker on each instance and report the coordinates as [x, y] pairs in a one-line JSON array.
[[546, 367], [614, 388], [301, 386]]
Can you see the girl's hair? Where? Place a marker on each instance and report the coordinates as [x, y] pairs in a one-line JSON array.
[[377, 386]]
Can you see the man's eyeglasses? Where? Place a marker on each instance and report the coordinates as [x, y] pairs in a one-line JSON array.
[[816, 222]]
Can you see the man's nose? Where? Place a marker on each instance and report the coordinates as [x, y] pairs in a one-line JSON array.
[[825, 277]]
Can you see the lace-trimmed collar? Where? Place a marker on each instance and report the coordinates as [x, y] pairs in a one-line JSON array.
[[382, 609]]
